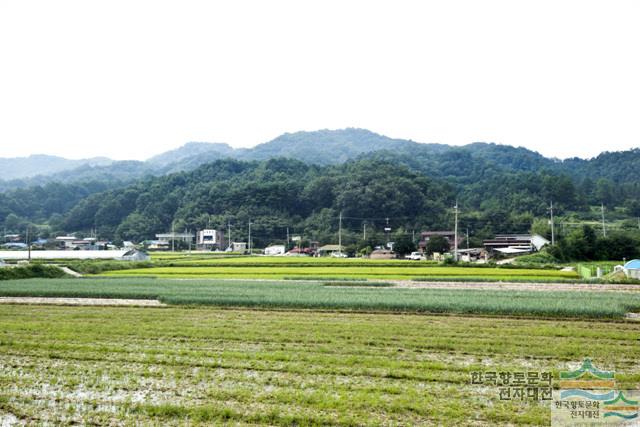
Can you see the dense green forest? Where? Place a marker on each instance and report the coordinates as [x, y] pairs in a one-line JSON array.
[[410, 186]]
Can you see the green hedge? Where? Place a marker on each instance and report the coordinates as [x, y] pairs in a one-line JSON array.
[[31, 271]]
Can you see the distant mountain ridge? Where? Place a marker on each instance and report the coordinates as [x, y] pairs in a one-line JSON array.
[[322, 147], [42, 164]]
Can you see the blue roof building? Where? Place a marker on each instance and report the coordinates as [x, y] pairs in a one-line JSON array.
[[632, 269]]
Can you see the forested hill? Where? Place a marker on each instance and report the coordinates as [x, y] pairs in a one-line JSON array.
[[501, 189], [279, 193]]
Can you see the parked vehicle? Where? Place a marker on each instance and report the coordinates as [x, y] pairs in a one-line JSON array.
[[416, 256]]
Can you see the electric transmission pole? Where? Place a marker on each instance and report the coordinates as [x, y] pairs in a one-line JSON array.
[[604, 229], [340, 234], [553, 235], [249, 237], [387, 229], [467, 237], [455, 242], [173, 237], [28, 243]]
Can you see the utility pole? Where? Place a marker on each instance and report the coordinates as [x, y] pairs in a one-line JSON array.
[[455, 243], [229, 238], [28, 242], [387, 229], [467, 237], [173, 237], [364, 229], [249, 237], [287, 238], [340, 234], [553, 234], [604, 229]]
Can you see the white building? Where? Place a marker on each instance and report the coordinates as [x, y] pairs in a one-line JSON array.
[[632, 269], [67, 240], [168, 237], [238, 247], [135, 255], [209, 239], [274, 250]]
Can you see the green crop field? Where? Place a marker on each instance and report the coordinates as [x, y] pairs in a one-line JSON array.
[[184, 265], [282, 267], [314, 295], [203, 366], [258, 272]]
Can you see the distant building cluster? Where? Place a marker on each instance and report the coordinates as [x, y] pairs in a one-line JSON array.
[[69, 246]]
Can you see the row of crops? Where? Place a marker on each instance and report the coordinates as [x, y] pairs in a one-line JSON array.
[[314, 295]]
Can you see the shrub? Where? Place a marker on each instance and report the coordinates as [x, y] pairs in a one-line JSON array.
[[31, 271]]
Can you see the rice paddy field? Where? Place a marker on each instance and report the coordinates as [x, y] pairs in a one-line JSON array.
[[343, 347], [214, 366], [207, 266]]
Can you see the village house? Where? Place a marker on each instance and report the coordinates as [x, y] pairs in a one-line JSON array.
[[328, 250], [515, 244], [274, 250], [209, 239], [449, 236]]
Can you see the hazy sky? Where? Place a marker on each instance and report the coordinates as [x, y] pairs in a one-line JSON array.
[[129, 79]]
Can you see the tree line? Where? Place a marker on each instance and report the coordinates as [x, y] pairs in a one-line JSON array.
[[280, 195]]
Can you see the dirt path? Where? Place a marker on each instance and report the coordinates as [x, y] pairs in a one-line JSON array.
[[69, 271], [514, 286], [82, 301]]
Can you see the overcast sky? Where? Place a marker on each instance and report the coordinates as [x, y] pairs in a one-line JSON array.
[[129, 79]]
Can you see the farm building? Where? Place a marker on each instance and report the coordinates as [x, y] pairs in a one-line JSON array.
[[382, 254], [275, 250], [169, 237], [515, 244], [67, 241], [300, 252], [238, 247], [15, 245], [450, 237], [632, 269], [327, 250], [134, 255], [156, 245]]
